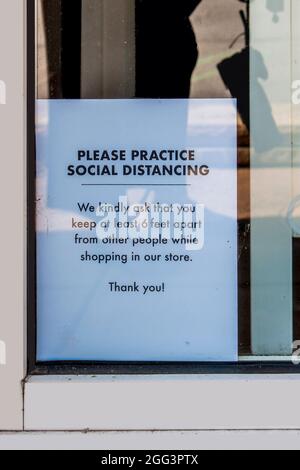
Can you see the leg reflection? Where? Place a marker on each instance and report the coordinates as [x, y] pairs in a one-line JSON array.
[[166, 48]]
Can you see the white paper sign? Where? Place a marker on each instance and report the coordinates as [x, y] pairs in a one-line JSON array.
[[137, 230]]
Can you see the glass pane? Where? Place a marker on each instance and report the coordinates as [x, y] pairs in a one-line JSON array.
[[157, 107]]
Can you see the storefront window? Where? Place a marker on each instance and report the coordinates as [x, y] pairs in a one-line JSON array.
[[167, 190]]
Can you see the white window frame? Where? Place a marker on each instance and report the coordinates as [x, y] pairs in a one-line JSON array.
[[13, 212], [140, 402]]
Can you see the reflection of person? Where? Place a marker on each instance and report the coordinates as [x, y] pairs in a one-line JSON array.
[[62, 25], [166, 48]]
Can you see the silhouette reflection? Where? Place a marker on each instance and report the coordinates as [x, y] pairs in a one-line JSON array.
[[235, 73], [167, 50]]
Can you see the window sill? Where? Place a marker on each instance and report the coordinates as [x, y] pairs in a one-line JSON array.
[[174, 402]]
